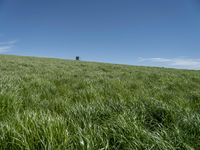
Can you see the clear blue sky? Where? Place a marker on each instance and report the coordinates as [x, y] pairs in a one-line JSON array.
[[136, 32]]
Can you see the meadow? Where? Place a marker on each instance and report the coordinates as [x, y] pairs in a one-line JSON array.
[[61, 104]]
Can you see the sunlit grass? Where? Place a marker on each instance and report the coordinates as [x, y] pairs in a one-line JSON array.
[[60, 104]]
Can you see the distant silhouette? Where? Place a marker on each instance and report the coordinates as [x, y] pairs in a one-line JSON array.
[[77, 58]]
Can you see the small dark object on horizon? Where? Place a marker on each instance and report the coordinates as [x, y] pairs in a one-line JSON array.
[[77, 58]]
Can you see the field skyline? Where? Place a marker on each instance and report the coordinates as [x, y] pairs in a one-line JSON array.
[[111, 63], [99, 74]]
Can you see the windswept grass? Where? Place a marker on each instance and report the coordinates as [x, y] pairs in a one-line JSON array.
[[60, 104]]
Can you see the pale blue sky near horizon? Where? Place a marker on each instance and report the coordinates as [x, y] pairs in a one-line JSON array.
[[136, 32]]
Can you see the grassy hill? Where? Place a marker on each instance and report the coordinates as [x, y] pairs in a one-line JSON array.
[[60, 104]]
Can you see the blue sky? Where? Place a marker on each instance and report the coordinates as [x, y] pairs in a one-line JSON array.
[[137, 32]]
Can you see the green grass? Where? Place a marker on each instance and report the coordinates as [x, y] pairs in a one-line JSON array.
[[60, 104]]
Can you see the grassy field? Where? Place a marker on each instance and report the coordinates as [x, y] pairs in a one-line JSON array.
[[61, 104]]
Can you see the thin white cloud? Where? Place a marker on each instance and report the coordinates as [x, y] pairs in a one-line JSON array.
[[184, 63], [8, 42], [161, 60], [7, 46], [4, 49]]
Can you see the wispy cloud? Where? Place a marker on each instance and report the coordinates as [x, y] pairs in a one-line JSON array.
[[8, 42], [4, 49], [185, 63], [7, 46]]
